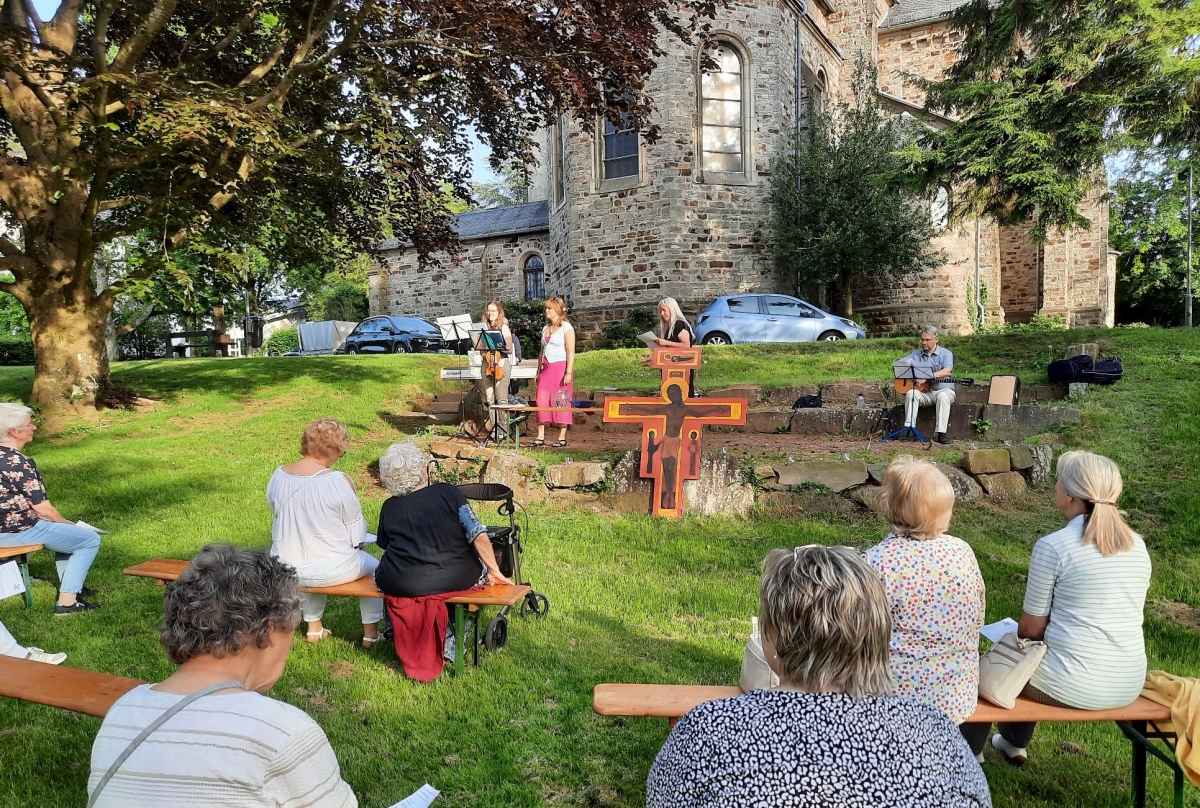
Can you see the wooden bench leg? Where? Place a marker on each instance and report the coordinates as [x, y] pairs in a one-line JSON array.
[[23, 562]]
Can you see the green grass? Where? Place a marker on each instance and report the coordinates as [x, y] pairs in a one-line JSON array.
[[633, 599]]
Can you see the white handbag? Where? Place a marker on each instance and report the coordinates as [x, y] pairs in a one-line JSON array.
[[756, 673], [1007, 667]]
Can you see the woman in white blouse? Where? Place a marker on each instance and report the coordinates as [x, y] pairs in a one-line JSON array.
[[319, 526], [556, 373]]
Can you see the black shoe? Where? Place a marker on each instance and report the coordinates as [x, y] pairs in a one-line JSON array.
[[80, 605], [941, 438]]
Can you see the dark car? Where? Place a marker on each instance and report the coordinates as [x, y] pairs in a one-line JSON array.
[[394, 335]]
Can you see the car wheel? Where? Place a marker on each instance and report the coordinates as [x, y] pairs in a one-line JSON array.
[[399, 347], [717, 338], [831, 336], [351, 349]]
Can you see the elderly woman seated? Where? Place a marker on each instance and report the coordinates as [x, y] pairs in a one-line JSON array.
[[832, 735], [319, 526], [433, 547], [228, 623]]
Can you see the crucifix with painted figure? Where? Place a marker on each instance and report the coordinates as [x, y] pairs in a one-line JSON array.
[[672, 425]]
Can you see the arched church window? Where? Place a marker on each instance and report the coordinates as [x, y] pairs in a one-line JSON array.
[[620, 156], [819, 92], [939, 209], [722, 111], [535, 277]]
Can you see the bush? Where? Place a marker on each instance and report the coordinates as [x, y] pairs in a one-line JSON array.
[[525, 320], [625, 334], [347, 301], [16, 351], [282, 341]]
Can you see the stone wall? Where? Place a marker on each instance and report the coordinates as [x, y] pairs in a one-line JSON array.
[[487, 269], [1020, 292], [926, 50]]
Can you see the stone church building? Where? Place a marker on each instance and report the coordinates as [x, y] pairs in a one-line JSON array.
[[614, 222]]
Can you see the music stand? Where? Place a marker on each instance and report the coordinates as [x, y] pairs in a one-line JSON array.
[[490, 341], [907, 369], [456, 328]]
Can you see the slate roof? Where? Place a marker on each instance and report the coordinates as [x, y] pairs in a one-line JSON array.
[[914, 12], [508, 220]]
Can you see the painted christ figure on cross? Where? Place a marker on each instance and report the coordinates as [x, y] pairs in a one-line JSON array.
[[671, 426]]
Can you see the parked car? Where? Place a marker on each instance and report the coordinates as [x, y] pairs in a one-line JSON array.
[[394, 335], [734, 319]]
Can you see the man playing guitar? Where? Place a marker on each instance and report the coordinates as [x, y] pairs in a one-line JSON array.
[[942, 395]]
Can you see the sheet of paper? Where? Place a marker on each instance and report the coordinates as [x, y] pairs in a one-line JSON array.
[[648, 338], [82, 523], [419, 798], [995, 631], [11, 582], [370, 539]]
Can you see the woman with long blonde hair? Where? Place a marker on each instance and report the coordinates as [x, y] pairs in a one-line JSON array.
[[1084, 598], [556, 372], [674, 331]]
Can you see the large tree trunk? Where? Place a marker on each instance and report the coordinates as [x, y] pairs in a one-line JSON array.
[[70, 356], [843, 291]]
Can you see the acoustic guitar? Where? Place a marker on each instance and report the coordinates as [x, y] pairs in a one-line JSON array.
[[926, 385]]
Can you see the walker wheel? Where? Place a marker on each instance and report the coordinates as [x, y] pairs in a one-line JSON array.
[[535, 603], [496, 634]]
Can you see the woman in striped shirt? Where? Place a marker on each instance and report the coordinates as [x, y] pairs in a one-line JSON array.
[[1084, 597]]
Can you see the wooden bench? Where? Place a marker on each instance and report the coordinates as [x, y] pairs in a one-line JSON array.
[[674, 701], [505, 595], [21, 554], [72, 689]]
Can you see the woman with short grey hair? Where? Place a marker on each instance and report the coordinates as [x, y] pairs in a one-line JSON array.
[[28, 517], [228, 622], [832, 735], [402, 468]]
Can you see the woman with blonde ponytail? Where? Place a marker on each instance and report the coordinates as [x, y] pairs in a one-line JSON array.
[[1084, 597]]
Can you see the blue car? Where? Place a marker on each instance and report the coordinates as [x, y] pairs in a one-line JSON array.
[[734, 319]]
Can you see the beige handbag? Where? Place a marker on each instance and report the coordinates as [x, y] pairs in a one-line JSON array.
[[756, 673], [1007, 667]]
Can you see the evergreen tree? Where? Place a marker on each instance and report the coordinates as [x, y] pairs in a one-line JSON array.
[[842, 210]]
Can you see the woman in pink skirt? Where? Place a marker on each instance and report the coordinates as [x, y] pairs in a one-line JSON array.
[[556, 372]]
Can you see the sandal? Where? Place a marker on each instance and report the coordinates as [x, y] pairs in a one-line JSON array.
[[560, 444], [538, 442], [320, 635], [369, 642]]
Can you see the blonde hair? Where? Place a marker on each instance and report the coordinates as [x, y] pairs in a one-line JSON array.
[[557, 304], [499, 308], [826, 612], [917, 499], [1097, 480], [664, 330], [324, 438]]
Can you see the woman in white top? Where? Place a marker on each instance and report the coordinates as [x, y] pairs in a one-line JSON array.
[[556, 372], [1084, 597], [319, 526], [228, 623]]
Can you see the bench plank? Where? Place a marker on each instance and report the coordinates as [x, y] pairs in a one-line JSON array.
[[674, 701], [168, 569], [72, 689], [9, 552]]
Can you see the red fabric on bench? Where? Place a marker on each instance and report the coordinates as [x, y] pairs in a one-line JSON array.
[[419, 626]]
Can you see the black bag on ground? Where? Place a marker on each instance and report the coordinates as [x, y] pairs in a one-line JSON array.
[[1105, 371], [808, 403], [1065, 371]]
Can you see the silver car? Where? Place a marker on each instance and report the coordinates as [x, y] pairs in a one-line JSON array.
[[735, 319]]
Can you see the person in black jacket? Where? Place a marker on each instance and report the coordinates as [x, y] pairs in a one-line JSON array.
[[432, 541]]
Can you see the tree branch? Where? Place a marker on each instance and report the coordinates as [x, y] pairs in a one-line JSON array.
[[100, 36], [268, 65], [241, 27], [31, 16], [145, 33], [63, 28]]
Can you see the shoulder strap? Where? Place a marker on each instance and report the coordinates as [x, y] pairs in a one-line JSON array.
[[158, 722]]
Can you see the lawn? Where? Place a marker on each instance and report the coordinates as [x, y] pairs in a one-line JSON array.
[[632, 599]]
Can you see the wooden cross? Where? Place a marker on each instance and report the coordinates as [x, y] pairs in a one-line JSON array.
[[671, 426]]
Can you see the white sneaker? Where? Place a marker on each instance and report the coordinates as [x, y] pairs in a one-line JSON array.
[[1015, 755], [38, 655]]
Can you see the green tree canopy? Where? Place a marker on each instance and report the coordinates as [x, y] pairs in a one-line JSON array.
[[842, 212]]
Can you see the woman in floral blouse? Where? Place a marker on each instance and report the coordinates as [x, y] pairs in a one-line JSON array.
[[27, 517], [935, 591]]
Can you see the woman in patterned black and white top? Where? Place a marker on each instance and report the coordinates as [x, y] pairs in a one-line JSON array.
[[832, 735]]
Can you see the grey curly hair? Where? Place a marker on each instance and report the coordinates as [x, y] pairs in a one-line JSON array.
[[12, 416], [225, 599], [401, 468]]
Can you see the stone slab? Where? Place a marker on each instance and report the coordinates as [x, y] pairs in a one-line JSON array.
[[475, 453], [1021, 422], [1042, 471], [986, 461], [765, 422], [865, 422], [575, 474], [1082, 349], [834, 475], [847, 393], [876, 471], [959, 428], [1002, 486], [444, 448], [767, 473], [1020, 456], [751, 392], [964, 485], [787, 396], [1033, 393], [868, 495], [719, 489], [807, 501], [517, 472], [819, 422]]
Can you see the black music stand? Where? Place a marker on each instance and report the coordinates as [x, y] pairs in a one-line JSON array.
[[907, 370]]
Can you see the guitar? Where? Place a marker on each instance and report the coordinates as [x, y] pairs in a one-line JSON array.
[[926, 385]]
